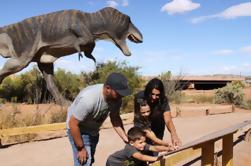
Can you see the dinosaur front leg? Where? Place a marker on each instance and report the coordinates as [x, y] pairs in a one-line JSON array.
[[80, 45], [84, 39], [13, 65], [16, 62], [47, 70], [88, 51]]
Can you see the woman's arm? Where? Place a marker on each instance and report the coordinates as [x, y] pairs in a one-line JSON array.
[[150, 134], [170, 126]]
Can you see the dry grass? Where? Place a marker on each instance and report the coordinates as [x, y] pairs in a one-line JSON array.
[[21, 115], [198, 97]]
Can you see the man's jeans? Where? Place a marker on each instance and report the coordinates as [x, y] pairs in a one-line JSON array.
[[90, 143]]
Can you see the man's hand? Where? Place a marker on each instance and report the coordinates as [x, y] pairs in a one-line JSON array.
[[82, 156]]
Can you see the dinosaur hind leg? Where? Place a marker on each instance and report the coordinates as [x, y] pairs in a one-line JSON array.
[[13, 65], [47, 70]]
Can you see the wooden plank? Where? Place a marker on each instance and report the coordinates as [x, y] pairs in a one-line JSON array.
[[178, 157], [32, 129], [182, 156], [207, 153], [42, 128], [227, 152]]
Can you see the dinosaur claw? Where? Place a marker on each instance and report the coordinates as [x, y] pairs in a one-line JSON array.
[[80, 56], [90, 56]]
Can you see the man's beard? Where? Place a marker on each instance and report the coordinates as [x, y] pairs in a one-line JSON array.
[[110, 98]]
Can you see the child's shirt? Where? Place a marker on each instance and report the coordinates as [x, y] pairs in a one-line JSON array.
[[118, 158]]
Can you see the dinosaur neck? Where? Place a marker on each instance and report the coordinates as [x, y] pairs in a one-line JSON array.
[[98, 23]]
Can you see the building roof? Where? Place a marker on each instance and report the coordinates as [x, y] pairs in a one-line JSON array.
[[210, 78]]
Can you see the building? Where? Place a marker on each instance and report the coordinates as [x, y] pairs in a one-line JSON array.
[[206, 82]]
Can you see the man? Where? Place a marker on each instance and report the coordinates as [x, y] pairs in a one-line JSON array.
[[89, 110]]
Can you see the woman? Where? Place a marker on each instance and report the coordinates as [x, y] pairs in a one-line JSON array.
[[160, 116]]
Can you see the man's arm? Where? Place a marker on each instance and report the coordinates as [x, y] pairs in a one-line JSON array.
[[170, 126], [76, 135], [118, 125]]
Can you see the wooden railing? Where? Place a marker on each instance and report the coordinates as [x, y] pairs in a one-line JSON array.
[[201, 149], [25, 134], [204, 148]]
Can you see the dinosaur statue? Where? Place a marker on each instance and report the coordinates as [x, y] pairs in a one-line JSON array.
[[45, 38]]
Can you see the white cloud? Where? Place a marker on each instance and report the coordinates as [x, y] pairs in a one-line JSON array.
[[223, 52], [237, 69], [246, 66], [240, 10], [112, 3], [116, 3], [125, 3], [202, 18], [229, 69], [179, 6], [243, 9], [246, 49]]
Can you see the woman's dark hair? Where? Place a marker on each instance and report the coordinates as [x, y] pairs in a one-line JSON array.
[[155, 83], [135, 133]]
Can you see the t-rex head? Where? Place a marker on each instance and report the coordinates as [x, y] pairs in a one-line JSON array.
[[117, 27]]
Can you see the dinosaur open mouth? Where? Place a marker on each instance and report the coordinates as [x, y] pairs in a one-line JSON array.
[[134, 38]]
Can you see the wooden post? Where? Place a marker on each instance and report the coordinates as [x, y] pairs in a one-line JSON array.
[[233, 108], [178, 112], [207, 111], [207, 154], [227, 150]]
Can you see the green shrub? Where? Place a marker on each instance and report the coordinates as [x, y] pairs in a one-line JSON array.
[[172, 87], [30, 87], [104, 69], [2, 100], [203, 99], [232, 93], [249, 104]]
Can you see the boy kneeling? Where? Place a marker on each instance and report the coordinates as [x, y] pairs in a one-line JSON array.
[[133, 152]]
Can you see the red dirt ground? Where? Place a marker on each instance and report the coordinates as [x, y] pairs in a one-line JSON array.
[[191, 125], [58, 151]]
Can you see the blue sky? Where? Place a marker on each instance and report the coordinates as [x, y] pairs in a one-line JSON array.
[[188, 37]]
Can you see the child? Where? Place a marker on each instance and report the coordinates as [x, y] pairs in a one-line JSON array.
[[133, 150], [141, 119]]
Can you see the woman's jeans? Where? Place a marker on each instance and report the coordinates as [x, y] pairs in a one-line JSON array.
[[90, 143]]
